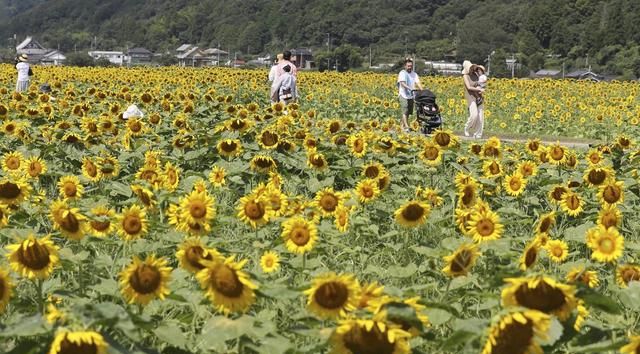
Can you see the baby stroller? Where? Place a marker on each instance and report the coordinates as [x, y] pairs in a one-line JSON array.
[[427, 111]]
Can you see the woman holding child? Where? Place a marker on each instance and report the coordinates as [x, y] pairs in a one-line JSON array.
[[474, 86]]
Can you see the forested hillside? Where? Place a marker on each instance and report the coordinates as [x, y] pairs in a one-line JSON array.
[[539, 33]]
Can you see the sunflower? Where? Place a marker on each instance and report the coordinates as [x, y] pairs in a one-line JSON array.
[[485, 226], [333, 296], [580, 274], [316, 160], [109, 167], [13, 190], [518, 332], [268, 139], [70, 187], [623, 142], [373, 170], [13, 162], [572, 203], [627, 273], [356, 336], [102, 224], [540, 293], [357, 145], [609, 216], [67, 342], [461, 261], [342, 216], [171, 176], [633, 347], [468, 194], [90, 170], [192, 255], [444, 138], [611, 193], [143, 281], [598, 175], [514, 184], [145, 195], [527, 169], [299, 234], [229, 147], [557, 154], [68, 220], [35, 166], [197, 207], [132, 223], [556, 194], [270, 262], [594, 157], [33, 258], [254, 210], [263, 163], [227, 286], [367, 190], [384, 181], [217, 175], [558, 250], [6, 289], [431, 154], [606, 243], [429, 195], [328, 200], [4, 215], [530, 255], [369, 293], [492, 168], [278, 201], [413, 213]]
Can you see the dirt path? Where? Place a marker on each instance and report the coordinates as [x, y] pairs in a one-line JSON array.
[[565, 141]]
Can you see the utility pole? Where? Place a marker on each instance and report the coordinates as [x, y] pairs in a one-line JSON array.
[[513, 65], [329, 46], [369, 56], [218, 48]]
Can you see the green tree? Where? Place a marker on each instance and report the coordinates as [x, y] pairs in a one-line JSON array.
[[79, 59]]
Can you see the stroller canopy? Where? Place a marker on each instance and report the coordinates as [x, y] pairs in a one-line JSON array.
[[425, 96]]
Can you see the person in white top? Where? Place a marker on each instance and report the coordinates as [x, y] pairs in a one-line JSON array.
[[408, 81], [274, 68], [286, 60], [23, 73], [285, 87]]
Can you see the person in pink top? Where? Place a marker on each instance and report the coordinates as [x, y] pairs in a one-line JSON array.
[[286, 60]]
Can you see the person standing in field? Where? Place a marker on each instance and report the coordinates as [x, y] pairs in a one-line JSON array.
[[408, 81], [286, 61], [273, 72], [285, 87], [24, 71], [475, 101]]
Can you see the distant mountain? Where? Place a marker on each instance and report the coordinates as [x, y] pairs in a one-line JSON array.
[[535, 31]]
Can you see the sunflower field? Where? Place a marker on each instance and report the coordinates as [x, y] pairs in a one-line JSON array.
[[220, 223]]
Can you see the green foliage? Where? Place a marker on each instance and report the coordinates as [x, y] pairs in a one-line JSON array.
[[79, 59]]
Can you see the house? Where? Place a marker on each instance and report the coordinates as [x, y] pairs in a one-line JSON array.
[[584, 75], [302, 58], [37, 52], [192, 56], [215, 54], [139, 55], [53, 58], [114, 57], [443, 68], [548, 73]]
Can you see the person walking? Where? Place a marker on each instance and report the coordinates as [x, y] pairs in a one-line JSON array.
[[408, 81], [274, 69], [284, 88], [475, 101], [24, 72]]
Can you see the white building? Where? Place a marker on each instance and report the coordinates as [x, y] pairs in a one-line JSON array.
[[38, 53], [113, 57], [443, 68]]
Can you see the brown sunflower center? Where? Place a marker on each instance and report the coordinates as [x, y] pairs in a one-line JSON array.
[[413, 212], [132, 224], [611, 194], [70, 222], [334, 127], [491, 151], [545, 224], [145, 279], [367, 191], [543, 297], [557, 251], [195, 254], [558, 193], [630, 274], [329, 202], [596, 177], [269, 138], [34, 168], [90, 169], [557, 153], [485, 227], [526, 170], [100, 225], [9, 190], [609, 219], [226, 281], [359, 340], [606, 245], [135, 126], [372, 171], [476, 149], [300, 236], [461, 261], [68, 347], [358, 146], [34, 256], [443, 139], [198, 209], [530, 256], [332, 295], [515, 183], [69, 189], [317, 160], [431, 153], [468, 195], [264, 162], [254, 210], [13, 163], [573, 202], [494, 168], [514, 338]]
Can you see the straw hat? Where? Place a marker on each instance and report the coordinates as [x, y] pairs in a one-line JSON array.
[[23, 57], [475, 67], [466, 66]]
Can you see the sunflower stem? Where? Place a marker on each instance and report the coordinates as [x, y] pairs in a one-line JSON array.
[[446, 291], [304, 261], [39, 284]]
